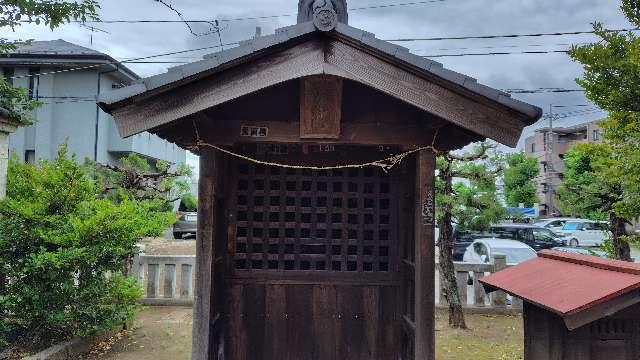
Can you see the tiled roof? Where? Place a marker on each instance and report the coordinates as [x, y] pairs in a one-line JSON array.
[[567, 283], [55, 47], [218, 61]]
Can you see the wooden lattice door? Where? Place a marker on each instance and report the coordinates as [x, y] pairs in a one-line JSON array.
[[315, 264]]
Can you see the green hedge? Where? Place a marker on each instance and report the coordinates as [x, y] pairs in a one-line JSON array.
[[63, 247]]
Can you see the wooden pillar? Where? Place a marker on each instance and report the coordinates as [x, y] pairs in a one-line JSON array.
[[203, 306], [425, 256]]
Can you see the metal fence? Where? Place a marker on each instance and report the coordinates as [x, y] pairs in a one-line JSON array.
[[169, 280]]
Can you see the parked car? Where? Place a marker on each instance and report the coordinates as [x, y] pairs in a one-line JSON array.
[[554, 224], [585, 232], [482, 250], [187, 223], [582, 251], [462, 240], [536, 237]]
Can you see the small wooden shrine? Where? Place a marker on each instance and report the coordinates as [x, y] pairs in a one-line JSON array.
[[316, 196], [576, 307]]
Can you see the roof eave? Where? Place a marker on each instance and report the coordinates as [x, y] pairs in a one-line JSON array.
[[71, 59]]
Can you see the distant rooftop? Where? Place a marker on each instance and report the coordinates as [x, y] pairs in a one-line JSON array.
[[569, 129], [63, 53], [56, 47]]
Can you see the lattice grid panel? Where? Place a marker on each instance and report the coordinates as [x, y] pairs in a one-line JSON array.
[[304, 220]]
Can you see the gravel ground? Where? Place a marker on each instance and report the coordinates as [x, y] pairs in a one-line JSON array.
[[165, 246]]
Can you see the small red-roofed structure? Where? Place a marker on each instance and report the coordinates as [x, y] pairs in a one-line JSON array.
[[575, 306]]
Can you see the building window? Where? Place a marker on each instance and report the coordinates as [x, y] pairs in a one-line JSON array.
[[533, 147], [596, 135], [30, 156], [34, 81], [8, 74]]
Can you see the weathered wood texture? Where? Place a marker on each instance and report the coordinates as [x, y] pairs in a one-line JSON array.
[[316, 272], [490, 121], [204, 288], [317, 57], [299, 61], [368, 117], [315, 322], [424, 220], [614, 337], [320, 107]]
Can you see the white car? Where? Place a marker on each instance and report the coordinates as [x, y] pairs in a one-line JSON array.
[[585, 232], [555, 224], [482, 250]]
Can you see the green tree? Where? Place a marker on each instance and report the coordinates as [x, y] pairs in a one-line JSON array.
[[465, 196], [611, 80], [520, 186], [142, 179], [592, 187], [51, 13], [62, 250]]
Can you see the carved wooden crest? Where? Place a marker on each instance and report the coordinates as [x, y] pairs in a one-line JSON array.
[[324, 13], [320, 107]]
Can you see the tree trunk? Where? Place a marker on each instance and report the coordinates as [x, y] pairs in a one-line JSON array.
[[622, 250], [447, 271]]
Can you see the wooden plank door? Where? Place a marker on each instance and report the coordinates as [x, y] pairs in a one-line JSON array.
[[316, 265]]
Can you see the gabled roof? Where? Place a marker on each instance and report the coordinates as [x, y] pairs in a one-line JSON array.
[[579, 288], [63, 53], [288, 37], [55, 47]]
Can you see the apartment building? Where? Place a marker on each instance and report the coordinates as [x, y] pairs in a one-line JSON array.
[[67, 78], [550, 150]]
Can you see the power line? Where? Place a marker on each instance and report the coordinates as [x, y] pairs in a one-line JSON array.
[[531, 52], [542, 90], [507, 46], [503, 36], [262, 17]]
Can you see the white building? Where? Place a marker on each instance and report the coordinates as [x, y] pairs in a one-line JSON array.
[[67, 78]]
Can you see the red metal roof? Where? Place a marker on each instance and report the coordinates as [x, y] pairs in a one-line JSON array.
[[567, 283]]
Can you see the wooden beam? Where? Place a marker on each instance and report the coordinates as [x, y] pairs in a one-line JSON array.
[[495, 122], [425, 256], [203, 312], [300, 61], [608, 308], [318, 57]]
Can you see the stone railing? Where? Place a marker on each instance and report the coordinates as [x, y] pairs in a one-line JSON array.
[[473, 296], [167, 280]]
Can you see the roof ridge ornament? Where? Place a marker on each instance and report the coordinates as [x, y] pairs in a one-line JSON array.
[[325, 14]]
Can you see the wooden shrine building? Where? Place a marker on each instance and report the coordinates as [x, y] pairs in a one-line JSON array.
[[576, 307], [331, 257]]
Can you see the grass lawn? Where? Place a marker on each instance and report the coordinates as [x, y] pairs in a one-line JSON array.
[[490, 337], [164, 333]]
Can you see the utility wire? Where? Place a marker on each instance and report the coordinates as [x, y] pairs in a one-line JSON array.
[[525, 52], [263, 17], [503, 36], [214, 24]]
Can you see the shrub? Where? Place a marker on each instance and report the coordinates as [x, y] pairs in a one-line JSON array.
[[63, 248]]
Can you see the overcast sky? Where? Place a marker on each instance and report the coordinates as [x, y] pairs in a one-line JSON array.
[[437, 18]]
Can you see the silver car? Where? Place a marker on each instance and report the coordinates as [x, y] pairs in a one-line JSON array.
[[187, 223]]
